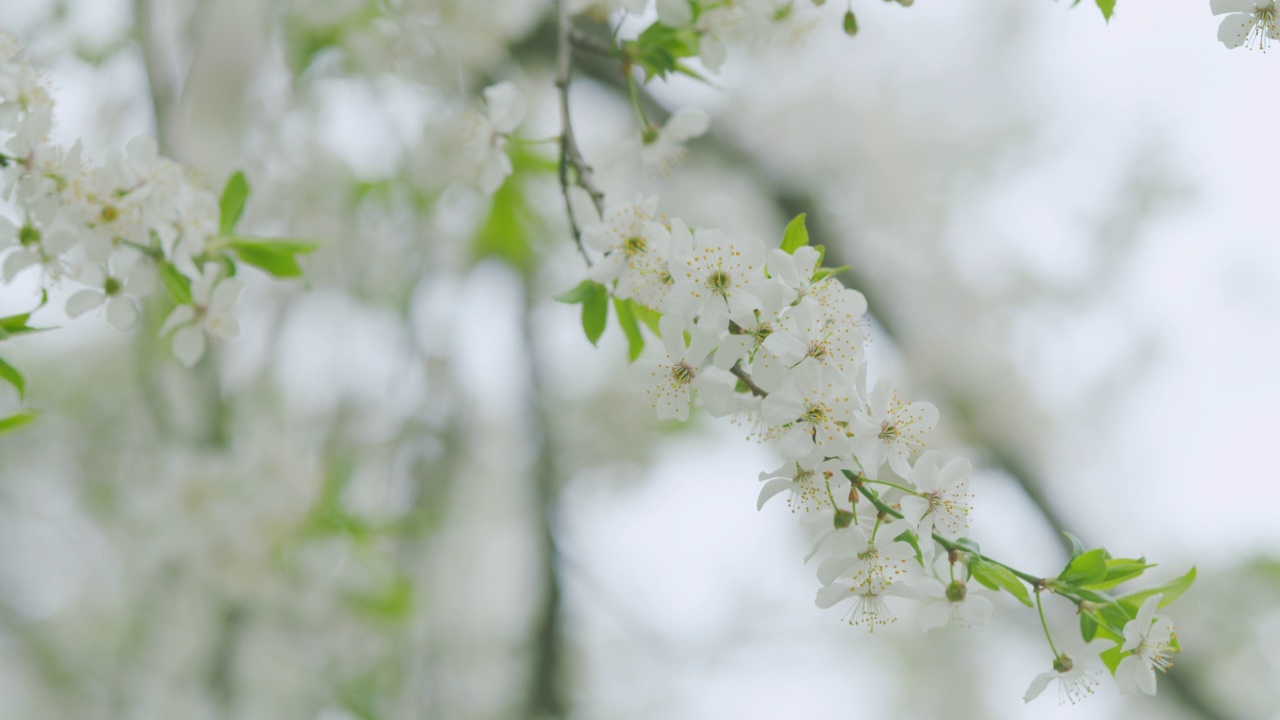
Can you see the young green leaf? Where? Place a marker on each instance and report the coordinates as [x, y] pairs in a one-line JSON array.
[[999, 577], [231, 206], [1107, 7], [795, 236], [1120, 570], [17, 421], [17, 324], [1171, 591], [1086, 569], [11, 375], [651, 318], [630, 328], [1088, 627], [578, 294], [1077, 547], [176, 283], [278, 257], [595, 313]]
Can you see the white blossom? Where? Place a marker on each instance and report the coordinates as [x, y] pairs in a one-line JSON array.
[[816, 402], [1248, 22], [811, 482], [889, 429], [212, 312], [954, 604], [672, 380], [713, 271], [1077, 670], [1148, 646], [504, 111], [943, 504]]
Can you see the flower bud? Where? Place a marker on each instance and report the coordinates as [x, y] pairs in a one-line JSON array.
[[850, 24], [956, 591], [843, 519]]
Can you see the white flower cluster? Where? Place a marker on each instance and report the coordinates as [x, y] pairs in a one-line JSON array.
[[778, 340], [775, 339], [113, 229]]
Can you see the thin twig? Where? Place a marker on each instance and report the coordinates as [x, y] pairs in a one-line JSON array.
[[570, 155], [745, 377]]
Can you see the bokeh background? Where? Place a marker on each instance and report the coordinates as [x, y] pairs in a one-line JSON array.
[[411, 489]]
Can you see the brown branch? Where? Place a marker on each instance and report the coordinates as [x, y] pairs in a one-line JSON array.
[[570, 154], [745, 377]]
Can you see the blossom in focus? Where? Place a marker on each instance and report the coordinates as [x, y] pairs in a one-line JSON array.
[[713, 271], [1247, 22], [673, 380], [816, 402], [504, 111], [1149, 644], [890, 429], [1076, 669], [943, 504]]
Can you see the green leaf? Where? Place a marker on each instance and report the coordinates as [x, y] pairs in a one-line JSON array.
[[1086, 569], [178, 285], [795, 236], [1077, 547], [392, 603], [595, 313], [999, 577], [659, 49], [505, 233], [1171, 590], [10, 374], [630, 328], [578, 294], [277, 256], [651, 318], [1121, 570], [1088, 627], [824, 273], [17, 421], [17, 324], [910, 538], [1107, 7], [231, 206]]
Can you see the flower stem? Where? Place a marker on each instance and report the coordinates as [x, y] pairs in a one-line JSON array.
[[1045, 625]]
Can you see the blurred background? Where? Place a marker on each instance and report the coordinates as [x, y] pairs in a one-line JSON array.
[[411, 489]]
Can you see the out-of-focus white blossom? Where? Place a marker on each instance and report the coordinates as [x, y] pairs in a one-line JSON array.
[[505, 109], [212, 313]]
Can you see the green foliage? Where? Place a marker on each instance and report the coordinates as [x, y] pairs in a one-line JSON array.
[[17, 421], [594, 299], [1171, 591], [624, 309], [795, 236], [10, 374], [1077, 547], [659, 49], [17, 324], [234, 197], [277, 256], [998, 577], [178, 285], [390, 604], [1086, 568], [1107, 7]]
